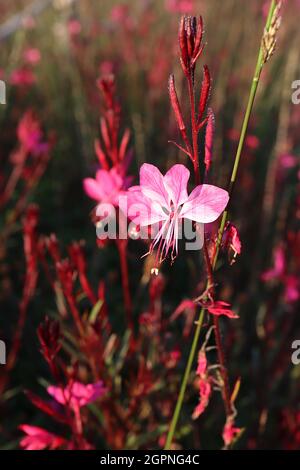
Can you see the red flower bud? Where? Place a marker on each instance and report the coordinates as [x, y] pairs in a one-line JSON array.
[[175, 103]]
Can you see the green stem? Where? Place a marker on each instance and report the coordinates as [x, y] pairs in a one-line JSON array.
[[184, 382], [253, 90]]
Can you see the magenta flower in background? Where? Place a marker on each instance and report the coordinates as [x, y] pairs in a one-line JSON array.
[[38, 438], [30, 134], [180, 6], [164, 199], [32, 55], [279, 267], [291, 288], [230, 431], [22, 77], [77, 394], [74, 27], [107, 186], [205, 385], [279, 273]]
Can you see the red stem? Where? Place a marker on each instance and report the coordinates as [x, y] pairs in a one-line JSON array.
[[122, 246], [220, 350], [224, 372], [75, 314], [194, 130]]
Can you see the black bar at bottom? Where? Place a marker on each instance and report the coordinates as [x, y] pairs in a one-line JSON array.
[[134, 459]]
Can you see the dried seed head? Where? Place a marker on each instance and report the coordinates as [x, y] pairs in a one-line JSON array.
[[269, 39]]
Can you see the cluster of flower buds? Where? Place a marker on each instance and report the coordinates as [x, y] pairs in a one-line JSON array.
[[190, 42], [109, 152], [191, 47], [107, 86]]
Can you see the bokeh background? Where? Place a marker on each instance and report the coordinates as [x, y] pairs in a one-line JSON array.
[[51, 53]]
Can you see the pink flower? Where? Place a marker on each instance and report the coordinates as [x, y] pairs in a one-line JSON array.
[[32, 56], [231, 242], [220, 307], [74, 27], [279, 267], [38, 438], [164, 200], [202, 363], [279, 273], [30, 133], [106, 67], [107, 186], [230, 432], [252, 142], [205, 385], [77, 394], [205, 390], [180, 6], [292, 288], [22, 77], [288, 161], [120, 15]]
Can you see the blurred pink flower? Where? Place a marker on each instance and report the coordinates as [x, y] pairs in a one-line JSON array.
[[32, 56], [291, 288], [180, 6], [279, 273], [205, 390], [279, 266], [38, 438], [74, 27], [106, 67], [164, 199], [288, 161], [22, 77], [230, 432], [252, 142], [107, 186], [77, 394], [28, 22], [30, 134], [205, 385], [120, 15], [202, 363]]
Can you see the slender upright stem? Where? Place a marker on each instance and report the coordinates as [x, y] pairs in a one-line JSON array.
[[195, 131], [210, 281], [184, 382], [224, 372], [122, 245], [254, 85], [217, 333]]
